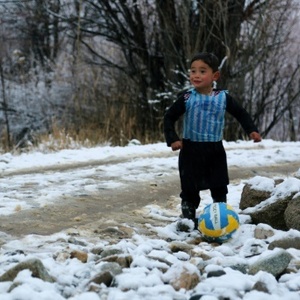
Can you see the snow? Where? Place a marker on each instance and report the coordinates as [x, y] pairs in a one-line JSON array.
[[262, 184], [116, 167]]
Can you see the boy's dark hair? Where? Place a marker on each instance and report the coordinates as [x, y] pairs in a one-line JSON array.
[[209, 58]]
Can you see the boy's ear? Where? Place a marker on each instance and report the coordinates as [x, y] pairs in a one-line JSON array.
[[216, 76]]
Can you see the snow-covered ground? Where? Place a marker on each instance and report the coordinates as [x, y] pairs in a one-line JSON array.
[[26, 183]]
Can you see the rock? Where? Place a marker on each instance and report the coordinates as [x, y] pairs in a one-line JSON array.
[[110, 252], [118, 231], [196, 240], [285, 243], [292, 212], [263, 231], [272, 214], [274, 263], [61, 256], [216, 273], [34, 265], [73, 240], [277, 209], [185, 280], [251, 197], [196, 297], [201, 254], [97, 250], [180, 246], [240, 267], [111, 267], [123, 261], [253, 247], [261, 287], [80, 255], [104, 277]]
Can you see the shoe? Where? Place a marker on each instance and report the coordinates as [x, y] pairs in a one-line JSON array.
[[184, 225]]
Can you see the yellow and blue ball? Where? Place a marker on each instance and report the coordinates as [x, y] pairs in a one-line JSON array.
[[218, 222]]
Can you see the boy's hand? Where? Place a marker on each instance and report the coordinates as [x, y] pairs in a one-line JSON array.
[[255, 136], [176, 145]]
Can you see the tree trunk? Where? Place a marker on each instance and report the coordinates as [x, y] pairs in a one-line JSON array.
[[4, 107]]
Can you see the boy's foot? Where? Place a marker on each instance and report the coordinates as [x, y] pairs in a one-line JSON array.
[[183, 226], [187, 225]]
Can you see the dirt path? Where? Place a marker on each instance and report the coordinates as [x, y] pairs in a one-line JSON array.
[[109, 208]]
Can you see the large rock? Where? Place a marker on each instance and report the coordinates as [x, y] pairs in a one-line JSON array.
[[251, 196], [275, 263], [272, 211], [292, 213], [285, 243], [272, 214], [34, 265]]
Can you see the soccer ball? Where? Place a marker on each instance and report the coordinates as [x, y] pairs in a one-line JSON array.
[[218, 222]]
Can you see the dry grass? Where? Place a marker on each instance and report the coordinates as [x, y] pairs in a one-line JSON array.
[[118, 129], [96, 114]]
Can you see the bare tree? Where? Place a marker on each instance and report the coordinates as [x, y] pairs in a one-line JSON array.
[[133, 55], [29, 47], [35, 30], [266, 70], [4, 106], [153, 41]]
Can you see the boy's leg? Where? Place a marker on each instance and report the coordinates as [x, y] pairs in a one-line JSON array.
[[188, 212], [188, 208], [190, 198], [219, 194], [189, 195]]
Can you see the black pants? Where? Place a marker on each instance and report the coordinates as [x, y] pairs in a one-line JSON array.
[[202, 166]]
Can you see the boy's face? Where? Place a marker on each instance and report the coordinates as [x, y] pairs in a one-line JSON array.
[[202, 76]]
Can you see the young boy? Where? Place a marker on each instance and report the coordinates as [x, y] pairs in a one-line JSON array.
[[202, 157]]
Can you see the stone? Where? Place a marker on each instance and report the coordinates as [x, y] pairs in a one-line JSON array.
[[261, 287], [292, 212], [80, 255], [110, 251], [186, 280], [34, 265], [285, 243], [216, 273], [180, 246], [262, 232], [123, 261], [111, 267], [243, 268], [274, 263], [103, 277], [272, 214], [250, 197]]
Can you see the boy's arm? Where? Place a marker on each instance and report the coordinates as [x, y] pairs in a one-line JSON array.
[[243, 118], [176, 110]]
